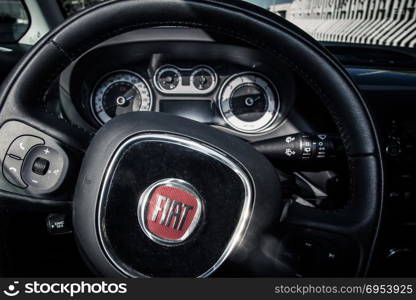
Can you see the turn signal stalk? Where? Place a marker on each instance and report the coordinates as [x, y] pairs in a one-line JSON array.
[[300, 147]]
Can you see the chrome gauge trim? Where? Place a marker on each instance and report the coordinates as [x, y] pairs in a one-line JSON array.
[[235, 166], [142, 86], [160, 71], [176, 183], [211, 72], [266, 121], [182, 89]]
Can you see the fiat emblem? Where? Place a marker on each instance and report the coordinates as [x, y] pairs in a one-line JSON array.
[[169, 211]]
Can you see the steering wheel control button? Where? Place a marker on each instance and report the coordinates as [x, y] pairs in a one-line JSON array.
[[58, 224], [12, 171], [40, 166], [44, 168], [169, 211], [21, 146]]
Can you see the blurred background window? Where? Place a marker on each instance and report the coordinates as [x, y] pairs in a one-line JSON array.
[[14, 21], [369, 22]]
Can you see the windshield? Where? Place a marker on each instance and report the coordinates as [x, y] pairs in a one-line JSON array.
[[370, 22]]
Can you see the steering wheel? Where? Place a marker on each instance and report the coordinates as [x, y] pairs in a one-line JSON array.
[[159, 195]]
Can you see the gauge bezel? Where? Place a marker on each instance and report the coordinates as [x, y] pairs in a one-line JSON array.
[[181, 89], [162, 70], [273, 109], [211, 71], [108, 75]]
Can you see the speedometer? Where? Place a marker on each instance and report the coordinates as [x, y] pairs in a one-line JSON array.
[[249, 102], [118, 93]]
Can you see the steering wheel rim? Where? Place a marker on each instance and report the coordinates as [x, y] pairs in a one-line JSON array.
[[242, 21]]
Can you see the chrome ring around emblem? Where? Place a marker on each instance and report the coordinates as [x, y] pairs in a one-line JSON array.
[[169, 211], [245, 217]]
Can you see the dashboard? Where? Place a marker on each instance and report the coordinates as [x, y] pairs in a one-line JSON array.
[[224, 85]]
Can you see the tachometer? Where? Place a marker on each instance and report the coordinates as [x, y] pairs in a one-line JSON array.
[[118, 93], [249, 102]]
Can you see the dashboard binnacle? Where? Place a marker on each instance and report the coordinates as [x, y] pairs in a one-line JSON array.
[[232, 87], [248, 101]]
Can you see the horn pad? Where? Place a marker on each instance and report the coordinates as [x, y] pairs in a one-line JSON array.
[[163, 196]]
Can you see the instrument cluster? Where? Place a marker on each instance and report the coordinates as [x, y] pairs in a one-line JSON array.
[[247, 102]]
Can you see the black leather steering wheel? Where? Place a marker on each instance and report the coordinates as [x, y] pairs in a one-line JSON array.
[[236, 200]]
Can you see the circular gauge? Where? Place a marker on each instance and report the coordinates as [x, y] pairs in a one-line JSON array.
[[168, 78], [249, 103], [203, 79], [118, 93]]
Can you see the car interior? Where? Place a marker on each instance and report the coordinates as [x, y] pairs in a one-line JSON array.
[[196, 138]]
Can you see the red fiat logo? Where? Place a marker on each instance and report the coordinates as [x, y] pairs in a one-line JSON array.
[[169, 211]]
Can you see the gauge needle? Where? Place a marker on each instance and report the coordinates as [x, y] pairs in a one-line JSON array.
[[114, 105]]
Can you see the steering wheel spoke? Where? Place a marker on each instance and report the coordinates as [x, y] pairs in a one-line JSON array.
[[20, 202], [48, 123], [351, 218], [351, 222]]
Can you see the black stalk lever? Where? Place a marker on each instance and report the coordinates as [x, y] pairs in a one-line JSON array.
[[300, 147]]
